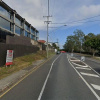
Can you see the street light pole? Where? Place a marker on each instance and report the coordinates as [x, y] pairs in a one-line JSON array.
[[47, 27], [47, 36]]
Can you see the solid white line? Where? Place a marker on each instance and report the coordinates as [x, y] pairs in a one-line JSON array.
[[74, 60], [88, 74], [44, 85], [86, 82], [97, 87], [83, 68]]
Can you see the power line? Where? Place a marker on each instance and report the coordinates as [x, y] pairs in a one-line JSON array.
[[77, 20], [57, 28], [86, 21]]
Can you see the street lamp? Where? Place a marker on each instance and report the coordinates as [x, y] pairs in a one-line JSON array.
[[51, 32]]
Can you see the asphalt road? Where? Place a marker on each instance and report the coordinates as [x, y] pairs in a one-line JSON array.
[[57, 79]]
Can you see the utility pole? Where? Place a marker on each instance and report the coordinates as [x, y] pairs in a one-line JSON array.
[[58, 43], [47, 26]]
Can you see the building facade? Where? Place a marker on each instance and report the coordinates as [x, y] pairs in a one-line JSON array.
[[11, 23]]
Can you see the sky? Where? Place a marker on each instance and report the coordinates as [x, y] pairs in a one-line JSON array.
[[63, 12]]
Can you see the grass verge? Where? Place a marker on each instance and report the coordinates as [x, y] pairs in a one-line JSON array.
[[22, 62]]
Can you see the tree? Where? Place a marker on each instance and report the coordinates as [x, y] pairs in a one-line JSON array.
[[93, 43], [79, 39], [55, 46], [69, 45], [74, 42], [86, 38]]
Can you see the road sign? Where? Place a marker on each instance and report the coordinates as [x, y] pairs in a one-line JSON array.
[[9, 57], [82, 58], [71, 54]]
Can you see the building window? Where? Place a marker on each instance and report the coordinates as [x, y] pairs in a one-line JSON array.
[[32, 31], [27, 34], [4, 24], [17, 30], [4, 12], [36, 38], [17, 21], [37, 34], [31, 36], [27, 27]]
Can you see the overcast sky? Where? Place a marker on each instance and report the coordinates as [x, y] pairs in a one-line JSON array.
[[62, 11]]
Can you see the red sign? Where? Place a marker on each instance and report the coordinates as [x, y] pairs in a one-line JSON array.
[[9, 57]]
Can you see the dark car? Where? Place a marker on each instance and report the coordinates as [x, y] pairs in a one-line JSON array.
[[58, 52]]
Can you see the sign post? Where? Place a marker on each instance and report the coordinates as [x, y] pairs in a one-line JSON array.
[[71, 54], [9, 57], [82, 58]]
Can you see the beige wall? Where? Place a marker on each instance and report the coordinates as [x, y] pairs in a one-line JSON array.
[[37, 44]]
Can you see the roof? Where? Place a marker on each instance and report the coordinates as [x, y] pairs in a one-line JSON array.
[[41, 41]]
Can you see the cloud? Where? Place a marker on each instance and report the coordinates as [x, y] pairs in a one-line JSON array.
[[32, 10], [88, 11], [36, 3], [62, 10], [35, 22]]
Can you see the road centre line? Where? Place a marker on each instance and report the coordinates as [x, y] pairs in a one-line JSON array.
[[88, 74], [83, 68], [44, 85], [96, 95], [97, 87]]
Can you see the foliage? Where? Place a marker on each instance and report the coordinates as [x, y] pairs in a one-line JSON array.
[[55, 46], [79, 42], [74, 42]]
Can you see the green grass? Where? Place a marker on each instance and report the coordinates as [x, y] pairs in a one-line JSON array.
[[22, 62]]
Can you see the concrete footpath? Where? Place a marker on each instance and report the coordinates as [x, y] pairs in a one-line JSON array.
[[13, 78]]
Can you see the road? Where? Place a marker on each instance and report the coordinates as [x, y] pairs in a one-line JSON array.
[[57, 79]]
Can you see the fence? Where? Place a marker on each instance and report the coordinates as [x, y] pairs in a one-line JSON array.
[[19, 50]]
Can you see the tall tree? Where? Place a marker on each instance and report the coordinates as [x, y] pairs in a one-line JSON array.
[[74, 42], [94, 44], [79, 39], [86, 38], [69, 45]]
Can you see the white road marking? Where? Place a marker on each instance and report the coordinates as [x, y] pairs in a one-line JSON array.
[[97, 87], [79, 65], [44, 85], [96, 95], [74, 60], [91, 68], [83, 68], [88, 74], [94, 71]]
